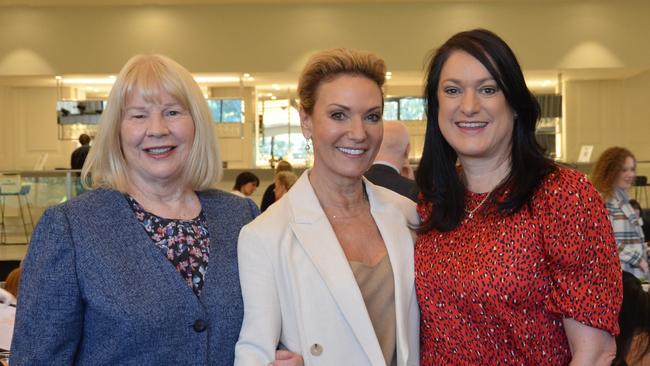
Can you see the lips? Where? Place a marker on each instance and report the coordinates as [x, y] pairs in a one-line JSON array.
[[351, 151], [471, 124], [159, 151]]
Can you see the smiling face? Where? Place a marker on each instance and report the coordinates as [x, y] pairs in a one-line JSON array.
[[627, 175], [156, 139], [345, 126], [473, 114]]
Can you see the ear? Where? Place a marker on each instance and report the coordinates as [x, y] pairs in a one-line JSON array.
[[306, 124]]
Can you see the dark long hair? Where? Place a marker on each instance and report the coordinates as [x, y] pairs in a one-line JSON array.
[[633, 320], [437, 174]]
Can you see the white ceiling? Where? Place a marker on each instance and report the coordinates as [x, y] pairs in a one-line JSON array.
[[64, 3]]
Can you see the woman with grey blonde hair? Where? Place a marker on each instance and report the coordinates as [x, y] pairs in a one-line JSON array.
[[327, 271], [142, 269]]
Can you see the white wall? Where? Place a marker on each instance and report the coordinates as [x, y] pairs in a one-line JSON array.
[[609, 113], [279, 37]]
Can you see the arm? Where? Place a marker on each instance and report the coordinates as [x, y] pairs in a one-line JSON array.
[[261, 328], [586, 289], [630, 245], [589, 346], [49, 315]]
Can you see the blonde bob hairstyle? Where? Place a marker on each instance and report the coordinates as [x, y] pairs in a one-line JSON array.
[[149, 76], [285, 179], [327, 65], [608, 168]]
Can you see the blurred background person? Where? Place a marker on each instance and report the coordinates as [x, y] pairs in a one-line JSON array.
[[245, 184], [269, 194], [633, 343], [515, 262], [78, 157], [613, 174], [328, 270], [142, 269], [644, 224], [391, 159], [282, 183]]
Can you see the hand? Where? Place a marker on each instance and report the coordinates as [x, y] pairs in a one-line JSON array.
[[287, 358], [644, 266]]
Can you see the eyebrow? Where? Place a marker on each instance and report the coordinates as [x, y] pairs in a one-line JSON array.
[[348, 108], [141, 107], [458, 81]]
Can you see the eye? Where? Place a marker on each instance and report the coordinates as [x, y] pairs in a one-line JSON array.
[[451, 91], [173, 113], [489, 90], [138, 116], [373, 117], [338, 116]]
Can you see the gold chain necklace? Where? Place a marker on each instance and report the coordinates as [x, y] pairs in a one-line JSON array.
[[470, 213]]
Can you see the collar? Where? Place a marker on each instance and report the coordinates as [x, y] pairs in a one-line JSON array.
[[383, 162]]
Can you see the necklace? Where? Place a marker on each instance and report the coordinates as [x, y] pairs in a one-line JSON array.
[[470, 213]]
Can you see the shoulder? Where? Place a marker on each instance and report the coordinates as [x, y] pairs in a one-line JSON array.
[[565, 182], [567, 190], [392, 201], [215, 201], [275, 218]]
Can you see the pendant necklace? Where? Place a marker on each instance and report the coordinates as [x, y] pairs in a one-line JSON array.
[[470, 213]]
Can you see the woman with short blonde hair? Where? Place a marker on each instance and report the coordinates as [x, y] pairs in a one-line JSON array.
[[141, 269], [328, 270], [106, 166]]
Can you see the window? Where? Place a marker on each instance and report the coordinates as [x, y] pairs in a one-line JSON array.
[[404, 109], [280, 134], [227, 110]]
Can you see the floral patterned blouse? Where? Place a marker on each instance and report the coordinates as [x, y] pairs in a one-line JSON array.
[[185, 243], [494, 290]]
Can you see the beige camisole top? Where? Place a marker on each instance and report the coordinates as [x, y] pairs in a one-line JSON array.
[[378, 291]]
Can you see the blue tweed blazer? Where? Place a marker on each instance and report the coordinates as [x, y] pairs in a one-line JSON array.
[[96, 291]]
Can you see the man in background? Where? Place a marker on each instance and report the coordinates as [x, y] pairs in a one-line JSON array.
[[391, 160], [79, 155]]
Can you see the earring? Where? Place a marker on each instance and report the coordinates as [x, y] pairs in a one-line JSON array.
[[307, 144], [515, 115]]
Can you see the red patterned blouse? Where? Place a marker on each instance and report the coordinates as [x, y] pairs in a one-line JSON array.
[[494, 290]]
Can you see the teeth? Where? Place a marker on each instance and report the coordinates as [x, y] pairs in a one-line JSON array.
[[472, 124], [159, 150], [351, 151]]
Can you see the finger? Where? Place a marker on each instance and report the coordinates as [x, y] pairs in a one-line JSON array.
[[283, 354]]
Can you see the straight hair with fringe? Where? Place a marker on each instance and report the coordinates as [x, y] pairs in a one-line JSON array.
[[149, 76]]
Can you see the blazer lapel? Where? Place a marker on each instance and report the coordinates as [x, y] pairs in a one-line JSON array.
[[317, 238], [399, 244]]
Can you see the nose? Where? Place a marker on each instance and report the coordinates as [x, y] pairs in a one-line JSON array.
[[469, 103], [357, 130], [157, 126]]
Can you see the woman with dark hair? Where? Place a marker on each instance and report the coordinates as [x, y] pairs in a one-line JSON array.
[[633, 343], [515, 261], [245, 184], [614, 173]]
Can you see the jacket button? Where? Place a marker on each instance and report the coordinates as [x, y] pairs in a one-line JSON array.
[[200, 325], [316, 349]]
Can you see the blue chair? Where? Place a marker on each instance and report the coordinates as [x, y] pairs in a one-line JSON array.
[[22, 197]]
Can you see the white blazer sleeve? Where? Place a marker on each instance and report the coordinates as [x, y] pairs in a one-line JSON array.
[[261, 327]]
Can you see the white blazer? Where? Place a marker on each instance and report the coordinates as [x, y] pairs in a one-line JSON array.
[[299, 290]]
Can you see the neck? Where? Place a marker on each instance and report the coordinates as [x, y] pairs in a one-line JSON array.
[[345, 194], [483, 176], [169, 201]]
